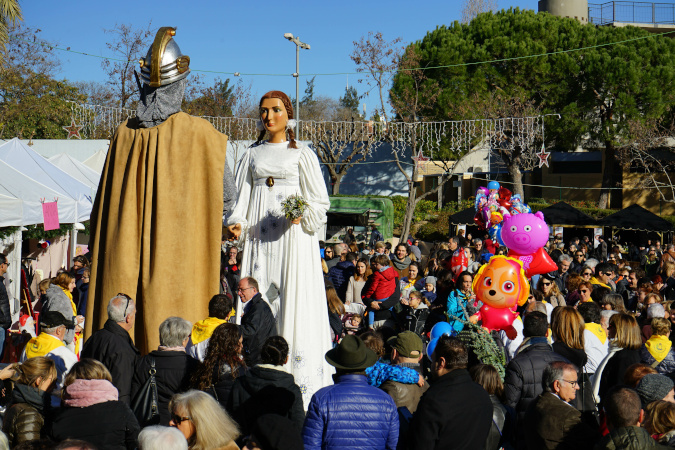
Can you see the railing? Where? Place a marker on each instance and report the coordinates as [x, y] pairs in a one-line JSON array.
[[631, 12]]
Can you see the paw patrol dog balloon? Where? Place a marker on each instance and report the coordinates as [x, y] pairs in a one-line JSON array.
[[501, 285]]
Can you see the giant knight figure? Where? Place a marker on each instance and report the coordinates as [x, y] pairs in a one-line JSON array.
[[157, 218]]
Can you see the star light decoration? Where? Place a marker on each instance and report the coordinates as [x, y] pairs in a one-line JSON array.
[[73, 130], [543, 156]]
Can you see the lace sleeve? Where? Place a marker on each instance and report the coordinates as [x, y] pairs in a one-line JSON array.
[[244, 184]]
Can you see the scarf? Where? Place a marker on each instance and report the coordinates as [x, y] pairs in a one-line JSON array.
[[42, 345], [163, 348], [83, 393], [157, 104], [597, 330], [203, 329], [400, 264], [527, 342], [658, 346], [77, 339], [598, 282]]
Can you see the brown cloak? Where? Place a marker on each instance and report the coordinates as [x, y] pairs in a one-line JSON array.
[[156, 224]]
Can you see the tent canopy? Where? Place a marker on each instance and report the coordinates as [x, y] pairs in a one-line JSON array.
[[30, 193], [635, 217], [76, 169], [564, 214], [96, 161], [23, 159], [463, 217]]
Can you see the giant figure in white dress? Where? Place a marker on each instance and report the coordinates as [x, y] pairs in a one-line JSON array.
[[283, 255]]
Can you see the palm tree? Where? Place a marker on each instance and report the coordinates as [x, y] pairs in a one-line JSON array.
[[10, 13]]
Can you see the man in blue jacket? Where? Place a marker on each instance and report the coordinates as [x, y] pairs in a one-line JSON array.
[[351, 414]]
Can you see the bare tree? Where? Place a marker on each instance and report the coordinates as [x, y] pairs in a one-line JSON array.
[[378, 60], [471, 8], [340, 146], [128, 45]]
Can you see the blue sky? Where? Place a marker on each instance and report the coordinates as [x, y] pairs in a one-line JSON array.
[[246, 36]]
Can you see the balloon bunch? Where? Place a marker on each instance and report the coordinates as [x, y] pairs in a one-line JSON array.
[[494, 204], [438, 330]]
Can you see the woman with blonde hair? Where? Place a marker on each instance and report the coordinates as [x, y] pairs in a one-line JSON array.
[[91, 410], [624, 351], [34, 380], [205, 425], [660, 422], [568, 335]]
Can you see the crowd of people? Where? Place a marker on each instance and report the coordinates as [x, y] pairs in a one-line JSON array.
[[591, 364]]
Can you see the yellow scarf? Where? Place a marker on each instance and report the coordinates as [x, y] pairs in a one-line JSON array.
[[596, 281], [42, 345], [658, 346], [203, 329], [597, 330], [77, 339]]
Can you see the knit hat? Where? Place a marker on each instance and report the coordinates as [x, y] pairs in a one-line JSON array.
[[430, 280], [407, 344], [653, 387], [656, 310]]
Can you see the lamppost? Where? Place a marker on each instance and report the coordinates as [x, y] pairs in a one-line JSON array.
[[298, 45]]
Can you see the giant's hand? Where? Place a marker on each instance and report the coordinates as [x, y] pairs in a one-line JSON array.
[[232, 232]]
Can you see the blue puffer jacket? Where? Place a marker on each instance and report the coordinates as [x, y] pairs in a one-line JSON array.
[[340, 275], [351, 414]]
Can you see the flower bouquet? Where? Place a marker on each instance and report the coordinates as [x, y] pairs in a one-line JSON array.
[[294, 206]]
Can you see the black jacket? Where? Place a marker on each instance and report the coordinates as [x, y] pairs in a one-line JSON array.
[[454, 413], [5, 314], [257, 325], [264, 390], [108, 425], [172, 377], [113, 347], [522, 383], [628, 438], [615, 369]]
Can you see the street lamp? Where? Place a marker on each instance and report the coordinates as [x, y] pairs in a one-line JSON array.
[[298, 45]]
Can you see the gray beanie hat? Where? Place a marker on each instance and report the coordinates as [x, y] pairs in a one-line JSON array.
[[653, 387], [430, 280]]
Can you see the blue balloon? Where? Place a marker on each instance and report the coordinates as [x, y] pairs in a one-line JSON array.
[[493, 185], [440, 329], [431, 346]]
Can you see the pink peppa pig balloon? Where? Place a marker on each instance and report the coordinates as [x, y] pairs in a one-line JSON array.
[[525, 235]]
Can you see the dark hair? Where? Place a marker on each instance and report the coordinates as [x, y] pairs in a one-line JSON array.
[[374, 341], [535, 324], [604, 267], [223, 348], [71, 444], [590, 311], [274, 351], [82, 260], [453, 351], [622, 407], [351, 257], [419, 268], [3, 258], [599, 293], [488, 377], [220, 306], [289, 111]]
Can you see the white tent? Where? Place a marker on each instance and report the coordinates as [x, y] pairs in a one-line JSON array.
[[96, 161], [76, 169], [30, 193], [23, 159], [11, 209]]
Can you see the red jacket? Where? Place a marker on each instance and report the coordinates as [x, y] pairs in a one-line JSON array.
[[380, 285]]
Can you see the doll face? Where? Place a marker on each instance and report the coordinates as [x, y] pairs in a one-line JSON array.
[[273, 115]]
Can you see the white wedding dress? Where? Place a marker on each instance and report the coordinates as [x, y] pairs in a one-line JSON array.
[[284, 258]]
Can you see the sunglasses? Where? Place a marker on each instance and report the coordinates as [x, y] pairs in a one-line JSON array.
[[127, 305], [583, 290], [546, 284], [178, 419], [587, 274]]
